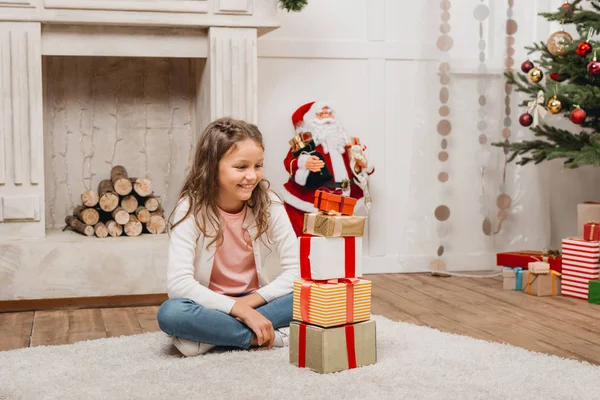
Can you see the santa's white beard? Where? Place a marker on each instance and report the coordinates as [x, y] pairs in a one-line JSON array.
[[330, 134]]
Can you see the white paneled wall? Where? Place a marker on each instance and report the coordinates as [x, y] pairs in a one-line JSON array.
[[376, 62]]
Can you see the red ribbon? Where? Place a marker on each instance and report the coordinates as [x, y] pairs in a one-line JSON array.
[[305, 296], [350, 346], [302, 346], [349, 257], [305, 257]]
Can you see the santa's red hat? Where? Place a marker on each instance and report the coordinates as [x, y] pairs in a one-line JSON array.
[[298, 117]]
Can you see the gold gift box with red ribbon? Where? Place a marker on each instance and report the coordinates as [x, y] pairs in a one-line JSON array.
[[333, 349], [591, 231], [332, 302]]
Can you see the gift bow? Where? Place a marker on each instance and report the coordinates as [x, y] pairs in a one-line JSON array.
[[536, 108], [545, 253]]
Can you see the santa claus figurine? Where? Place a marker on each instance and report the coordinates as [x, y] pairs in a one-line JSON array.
[[322, 156]]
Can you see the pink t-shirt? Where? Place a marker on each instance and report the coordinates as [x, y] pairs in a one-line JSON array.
[[234, 269]]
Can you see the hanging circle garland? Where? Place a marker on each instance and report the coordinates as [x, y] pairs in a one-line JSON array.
[[444, 129]]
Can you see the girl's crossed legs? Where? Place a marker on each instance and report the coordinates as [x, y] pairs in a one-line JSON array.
[[185, 319]]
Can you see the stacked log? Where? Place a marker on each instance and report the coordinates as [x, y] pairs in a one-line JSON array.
[[121, 205]]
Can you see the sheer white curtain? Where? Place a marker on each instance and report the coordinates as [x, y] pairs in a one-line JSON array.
[[461, 107]]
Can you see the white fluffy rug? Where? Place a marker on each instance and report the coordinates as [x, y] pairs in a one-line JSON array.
[[414, 362]]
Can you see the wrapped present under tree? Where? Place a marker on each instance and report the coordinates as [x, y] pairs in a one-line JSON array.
[[522, 258]]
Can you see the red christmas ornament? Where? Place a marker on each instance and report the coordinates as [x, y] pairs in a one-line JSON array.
[[566, 7], [583, 49], [594, 67], [578, 115], [555, 76], [527, 66], [526, 119]]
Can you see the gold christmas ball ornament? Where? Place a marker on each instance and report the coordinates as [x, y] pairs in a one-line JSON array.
[[536, 74], [558, 43], [554, 105]]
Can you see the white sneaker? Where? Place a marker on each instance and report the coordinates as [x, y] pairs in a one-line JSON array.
[[191, 349], [282, 337]]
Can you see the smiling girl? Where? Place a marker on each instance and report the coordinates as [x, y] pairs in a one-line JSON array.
[[226, 222]]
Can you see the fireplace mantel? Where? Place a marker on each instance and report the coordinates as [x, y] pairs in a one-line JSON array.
[[218, 36], [259, 14]]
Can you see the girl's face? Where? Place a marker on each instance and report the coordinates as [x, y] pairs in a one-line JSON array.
[[240, 170]]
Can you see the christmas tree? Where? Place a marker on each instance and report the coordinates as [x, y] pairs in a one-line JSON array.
[[571, 87]]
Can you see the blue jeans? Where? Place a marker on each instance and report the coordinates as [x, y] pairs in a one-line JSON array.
[[185, 319]]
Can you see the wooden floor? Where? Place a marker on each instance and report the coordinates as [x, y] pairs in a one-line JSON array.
[[476, 307]]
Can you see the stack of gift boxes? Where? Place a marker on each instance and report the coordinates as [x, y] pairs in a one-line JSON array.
[[581, 256], [574, 273], [332, 330], [533, 272]]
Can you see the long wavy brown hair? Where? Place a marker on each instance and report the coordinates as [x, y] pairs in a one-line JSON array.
[[201, 186]]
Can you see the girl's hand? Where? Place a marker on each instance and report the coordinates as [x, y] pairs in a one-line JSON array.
[[262, 327], [314, 164]]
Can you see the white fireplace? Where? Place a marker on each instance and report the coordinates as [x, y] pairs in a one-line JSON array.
[[88, 84]]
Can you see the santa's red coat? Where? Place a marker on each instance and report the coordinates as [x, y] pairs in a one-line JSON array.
[[300, 199]]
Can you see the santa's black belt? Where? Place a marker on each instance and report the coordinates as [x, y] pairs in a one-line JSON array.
[[344, 185]]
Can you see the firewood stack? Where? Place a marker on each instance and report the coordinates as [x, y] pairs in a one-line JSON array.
[[122, 205]]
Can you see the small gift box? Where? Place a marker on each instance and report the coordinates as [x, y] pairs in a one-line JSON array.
[[594, 292], [522, 259], [334, 225], [539, 267], [326, 350], [543, 284], [300, 141], [512, 278], [333, 302], [587, 211], [334, 203], [324, 258], [591, 231]]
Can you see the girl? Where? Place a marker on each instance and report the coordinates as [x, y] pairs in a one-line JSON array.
[[224, 226]]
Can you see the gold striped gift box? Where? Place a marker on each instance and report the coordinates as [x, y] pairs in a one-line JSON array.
[[328, 303]]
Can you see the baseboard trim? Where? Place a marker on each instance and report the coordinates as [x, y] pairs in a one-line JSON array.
[[137, 300]]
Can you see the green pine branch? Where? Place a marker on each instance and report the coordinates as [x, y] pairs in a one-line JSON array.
[[293, 5], [578, 149]]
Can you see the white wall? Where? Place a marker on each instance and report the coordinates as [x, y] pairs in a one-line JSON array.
[[376, 62]]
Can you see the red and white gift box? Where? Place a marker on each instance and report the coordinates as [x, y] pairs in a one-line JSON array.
[[323, 258], [580, 264]]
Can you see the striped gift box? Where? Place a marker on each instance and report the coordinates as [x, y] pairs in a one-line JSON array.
[[580, 265], [328, 304]]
